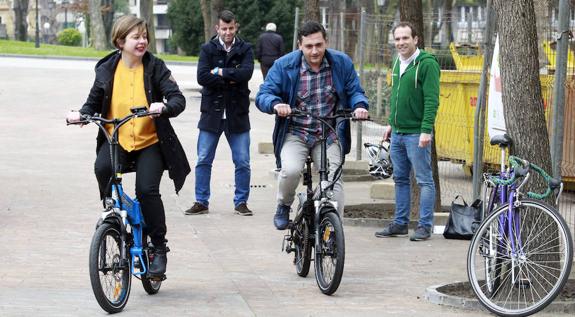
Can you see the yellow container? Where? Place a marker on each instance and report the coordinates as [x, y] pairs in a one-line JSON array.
[[466, 57], [549, 49], [454, 125]]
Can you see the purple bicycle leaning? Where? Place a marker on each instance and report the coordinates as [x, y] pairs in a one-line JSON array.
[[520, 256]]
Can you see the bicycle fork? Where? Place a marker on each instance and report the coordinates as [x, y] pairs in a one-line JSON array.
[[512, 229]]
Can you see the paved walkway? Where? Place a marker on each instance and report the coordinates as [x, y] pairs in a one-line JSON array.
[[220, 264]]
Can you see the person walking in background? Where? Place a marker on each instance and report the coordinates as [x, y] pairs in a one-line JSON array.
[[225, 66], [129, 77], [414, 103], [318, 80], [270, 46]]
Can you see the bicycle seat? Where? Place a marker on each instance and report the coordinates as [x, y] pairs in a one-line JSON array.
[[503, 140]]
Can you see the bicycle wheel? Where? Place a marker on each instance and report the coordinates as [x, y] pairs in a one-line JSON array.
[[302, 245], [330, 253], [533, 252], [151, 286], [110, 278]]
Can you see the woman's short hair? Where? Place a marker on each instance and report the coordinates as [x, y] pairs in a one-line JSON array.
[[124, 25]]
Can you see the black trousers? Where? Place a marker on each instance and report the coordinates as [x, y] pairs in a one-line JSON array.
[[149, 166], [265, 68]]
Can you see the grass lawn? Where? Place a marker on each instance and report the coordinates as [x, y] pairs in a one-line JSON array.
[[27, 48]]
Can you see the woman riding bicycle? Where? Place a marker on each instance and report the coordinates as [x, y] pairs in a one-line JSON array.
[[128, 77]]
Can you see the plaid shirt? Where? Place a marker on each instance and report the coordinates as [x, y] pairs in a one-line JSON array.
[[317, 95]]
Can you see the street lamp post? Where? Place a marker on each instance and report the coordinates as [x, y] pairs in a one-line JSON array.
[[37, 43], [65, 5]]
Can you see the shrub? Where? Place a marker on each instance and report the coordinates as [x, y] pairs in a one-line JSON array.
[[70, 37]]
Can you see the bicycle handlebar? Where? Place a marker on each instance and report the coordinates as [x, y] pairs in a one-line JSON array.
[[137, 112], [522, 168], [344, 114]]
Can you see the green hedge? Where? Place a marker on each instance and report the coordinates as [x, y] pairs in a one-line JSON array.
[[70, 37]]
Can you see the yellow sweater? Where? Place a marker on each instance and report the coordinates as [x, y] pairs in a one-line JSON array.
[[128, 92]]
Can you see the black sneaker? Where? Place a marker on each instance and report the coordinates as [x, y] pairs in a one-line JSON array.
[[392, 230], [420, 234], [243, 210], [158, 260], [197, 209]]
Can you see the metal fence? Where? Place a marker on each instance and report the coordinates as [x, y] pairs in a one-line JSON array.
[[368, 40]]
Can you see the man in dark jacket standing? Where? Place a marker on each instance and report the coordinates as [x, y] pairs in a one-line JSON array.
[[270, 47], [224, 68]]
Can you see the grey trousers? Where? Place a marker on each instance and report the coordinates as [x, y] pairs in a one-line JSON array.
[[293, 155]]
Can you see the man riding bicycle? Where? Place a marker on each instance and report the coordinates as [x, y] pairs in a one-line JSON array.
[[321, 82]]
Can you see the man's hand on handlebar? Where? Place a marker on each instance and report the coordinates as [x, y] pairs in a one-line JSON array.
[[361, 113], [282, 109]]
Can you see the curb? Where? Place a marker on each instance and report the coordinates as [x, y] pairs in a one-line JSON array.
[[434, 296]]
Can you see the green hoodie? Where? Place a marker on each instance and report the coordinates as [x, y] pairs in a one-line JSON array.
[[415, 96]]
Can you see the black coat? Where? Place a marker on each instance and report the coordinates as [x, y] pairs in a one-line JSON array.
[[228, 92], [270, 47], [158, 85]]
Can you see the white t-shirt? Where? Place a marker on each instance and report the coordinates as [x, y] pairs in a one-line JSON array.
[[404, 63]]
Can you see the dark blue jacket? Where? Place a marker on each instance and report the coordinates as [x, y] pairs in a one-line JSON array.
[[228, 92], [281, 86]]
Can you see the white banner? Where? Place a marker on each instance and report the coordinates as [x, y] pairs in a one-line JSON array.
[[495, 115]]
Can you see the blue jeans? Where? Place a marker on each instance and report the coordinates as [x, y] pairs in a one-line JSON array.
[[240, 146], [405, 154]]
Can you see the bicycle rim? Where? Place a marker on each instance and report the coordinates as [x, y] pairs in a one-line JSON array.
[[302, 246], [330, 253], [528, 262], [110, 280]]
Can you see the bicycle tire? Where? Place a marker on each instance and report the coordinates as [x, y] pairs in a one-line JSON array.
[[151, 286], [493, 263], [531, 279], [110, 279], [302, 258], [331, 249]]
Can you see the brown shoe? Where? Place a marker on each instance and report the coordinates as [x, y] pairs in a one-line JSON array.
[[197, 209], [243, 210]]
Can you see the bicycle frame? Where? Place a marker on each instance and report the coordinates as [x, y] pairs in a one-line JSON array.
[[119, 204]]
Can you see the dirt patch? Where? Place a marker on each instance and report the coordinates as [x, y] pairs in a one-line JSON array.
[[375, 211], [464, 290]]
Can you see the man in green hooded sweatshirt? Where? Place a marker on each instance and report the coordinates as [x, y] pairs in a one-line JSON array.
[[414, 102]]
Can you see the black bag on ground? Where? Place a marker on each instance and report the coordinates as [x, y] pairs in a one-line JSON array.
[[463, 220]]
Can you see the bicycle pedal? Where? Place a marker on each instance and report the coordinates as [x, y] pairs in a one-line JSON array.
[[157, 278]]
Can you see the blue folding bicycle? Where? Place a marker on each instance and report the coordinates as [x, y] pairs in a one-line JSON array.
[[119, 247]]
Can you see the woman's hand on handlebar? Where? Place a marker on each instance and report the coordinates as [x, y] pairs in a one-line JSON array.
[[73, 117], [156, 109], [282, 109]]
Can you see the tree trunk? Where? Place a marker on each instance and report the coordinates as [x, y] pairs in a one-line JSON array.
[[542, 17], [311, 11], [147, 13], [389, 11], [107, 12], [410, 11], [216, 7], [98, 35], [20, 23], [206, 16], [521, 88], [523, 105]]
